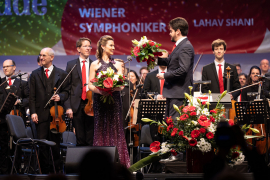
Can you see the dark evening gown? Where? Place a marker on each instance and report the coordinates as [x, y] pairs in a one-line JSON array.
[[108, 123]]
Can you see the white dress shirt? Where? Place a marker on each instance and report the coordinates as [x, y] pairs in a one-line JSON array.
[[12, 80], [50, 70], [86, 68], [179, 40]]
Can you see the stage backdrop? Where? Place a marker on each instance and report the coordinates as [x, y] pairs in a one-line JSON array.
[[29, 25]]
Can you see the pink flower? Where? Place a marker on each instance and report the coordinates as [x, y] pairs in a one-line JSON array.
[[189, 109], [203, 121], [136, 50], [151, 43], [108, 83]]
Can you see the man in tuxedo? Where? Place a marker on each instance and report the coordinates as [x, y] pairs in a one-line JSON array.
[[153, 84], [215, 72], [179, 64], [79, 78], [42, 83]]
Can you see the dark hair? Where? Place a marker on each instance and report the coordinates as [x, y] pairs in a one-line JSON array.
[[237, 64], [243, 74], [181, 24], [38, 58], [219, 42], [249, 80], [137, 77], [13, 62], [79, 41], [102, 41], [142, 69]]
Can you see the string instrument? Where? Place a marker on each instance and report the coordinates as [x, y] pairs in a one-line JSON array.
[[57, 124], [232, 114], [88, 109], [16, 112]]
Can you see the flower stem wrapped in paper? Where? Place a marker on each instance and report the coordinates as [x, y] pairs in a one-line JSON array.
[[107, 81], [146, 51]]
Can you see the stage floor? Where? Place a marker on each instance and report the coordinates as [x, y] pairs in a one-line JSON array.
[[150, 176]]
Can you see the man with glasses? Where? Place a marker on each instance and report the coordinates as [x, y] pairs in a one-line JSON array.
[[20, 89], [79, 78]]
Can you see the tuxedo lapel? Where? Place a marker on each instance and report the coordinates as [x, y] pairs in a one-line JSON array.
[[40, 75], [214, 70], [79, 69], [56, 76], [17, 85]]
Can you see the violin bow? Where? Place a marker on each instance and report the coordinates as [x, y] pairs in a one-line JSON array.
[[10, 77], [60, 86], [197, 63]]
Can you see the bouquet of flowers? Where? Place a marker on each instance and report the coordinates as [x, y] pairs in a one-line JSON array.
[[195, 128], [107, 81], [146, 51]]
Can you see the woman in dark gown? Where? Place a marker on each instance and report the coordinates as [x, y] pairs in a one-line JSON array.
[[108, 130]]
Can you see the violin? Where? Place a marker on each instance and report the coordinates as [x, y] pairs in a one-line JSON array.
[[88, 109], [232, 114], [57, 124]]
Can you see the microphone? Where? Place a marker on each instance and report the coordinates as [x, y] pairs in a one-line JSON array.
[[129, 58]]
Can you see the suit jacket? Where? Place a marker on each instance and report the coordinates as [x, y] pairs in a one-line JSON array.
[[152, 83], [179, 73], [75, 79], [38, 97], [22, 93], [210, 73]]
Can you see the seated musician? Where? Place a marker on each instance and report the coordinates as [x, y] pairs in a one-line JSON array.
[[215, 72], [252, 78], [18, 87], [153, 84]]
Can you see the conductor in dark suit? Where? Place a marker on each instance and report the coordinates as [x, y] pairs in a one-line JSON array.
[[84, 124], [153, 84], [42, 83], [215, 72], [179, 66]]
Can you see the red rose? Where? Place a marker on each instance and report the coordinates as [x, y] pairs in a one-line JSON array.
[[157, 53], [151, 43], [136, 50], [156, 45], [203, 121], [202, 130], [138, 59], [144, 45], [183, 117], [169, 127], [193, 113], [108, 83], [192, 142], [181, 133], [203, 103], [212, 119], [231, 122], [174, 132], [195, 133], [235, 155], [155, 146], [213, 111], [174, 153], [94, 80], [210, 135]]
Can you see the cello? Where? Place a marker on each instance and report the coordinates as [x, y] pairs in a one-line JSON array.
[[57, 124]]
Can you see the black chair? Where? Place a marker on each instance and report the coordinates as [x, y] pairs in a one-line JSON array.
[[146, 139], [17, 131]]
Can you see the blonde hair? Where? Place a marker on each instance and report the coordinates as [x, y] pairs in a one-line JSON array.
[[102, 41]]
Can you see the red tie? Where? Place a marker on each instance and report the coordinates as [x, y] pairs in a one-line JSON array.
[[46, 70], [240, 98], [83, 81], [220, 79], [9, 82], [161, 84], [173, 47]]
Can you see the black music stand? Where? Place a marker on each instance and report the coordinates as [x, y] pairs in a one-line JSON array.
[[152, 109], [254, 112], [7, 106]]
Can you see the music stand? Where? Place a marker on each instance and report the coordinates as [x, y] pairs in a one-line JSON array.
[[152, 109], [7, 106], [253, 112]]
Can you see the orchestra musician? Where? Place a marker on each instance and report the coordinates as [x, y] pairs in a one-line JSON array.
[[84, 124], [42, 83]]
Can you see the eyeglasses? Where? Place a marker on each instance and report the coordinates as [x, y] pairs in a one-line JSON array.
[[7, 66], [87, 47], [42, 55]]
